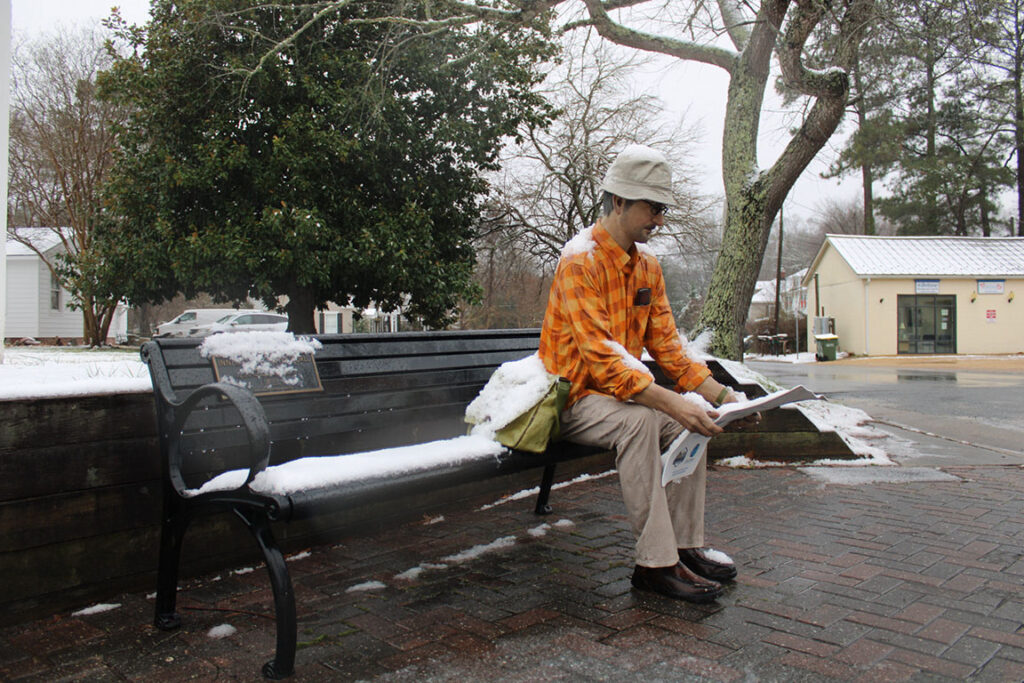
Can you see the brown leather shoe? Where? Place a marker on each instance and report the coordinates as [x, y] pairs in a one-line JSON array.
[[701, 564], [675, 582]]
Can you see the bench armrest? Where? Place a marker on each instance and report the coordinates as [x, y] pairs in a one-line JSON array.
[[254, 420]]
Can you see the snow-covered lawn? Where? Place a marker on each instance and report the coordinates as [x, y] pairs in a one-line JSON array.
[[44, 372]]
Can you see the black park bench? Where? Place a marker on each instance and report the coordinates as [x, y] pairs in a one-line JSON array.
[[357, 393]]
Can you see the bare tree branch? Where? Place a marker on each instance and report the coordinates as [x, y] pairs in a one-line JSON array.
[[61, 150], [617, 33]]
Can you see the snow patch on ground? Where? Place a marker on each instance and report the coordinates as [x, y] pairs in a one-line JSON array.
[[716, 556], [96, 609], [482, 549], [477, 551], [410, 574], [526, 493], [221, 631], [366, 586]]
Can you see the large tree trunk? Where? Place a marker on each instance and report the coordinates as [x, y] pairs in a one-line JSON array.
[[300, 310], [754, 198], [96, 321], [90, 325], [745, 237]]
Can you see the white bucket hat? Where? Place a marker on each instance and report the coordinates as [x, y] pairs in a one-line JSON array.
[[640, 172]]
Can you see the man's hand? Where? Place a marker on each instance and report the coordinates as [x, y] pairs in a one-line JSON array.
[[685, 412], [749, 421]]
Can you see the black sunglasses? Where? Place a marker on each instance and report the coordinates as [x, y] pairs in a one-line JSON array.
[[657, 208]]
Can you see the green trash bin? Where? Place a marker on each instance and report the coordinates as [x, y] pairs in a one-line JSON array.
[[827, 345]]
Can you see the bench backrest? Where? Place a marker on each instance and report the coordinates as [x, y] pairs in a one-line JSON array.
[[378, 391]]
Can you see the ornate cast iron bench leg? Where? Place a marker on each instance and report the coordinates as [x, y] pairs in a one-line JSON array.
[[172, 532], [283, 664]]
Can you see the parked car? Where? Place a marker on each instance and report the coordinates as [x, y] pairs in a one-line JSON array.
[[242, 322], [194, 317]]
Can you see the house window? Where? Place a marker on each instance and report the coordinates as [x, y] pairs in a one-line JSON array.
[[54, 292]]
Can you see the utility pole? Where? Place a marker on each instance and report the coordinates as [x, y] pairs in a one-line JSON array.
[[778, 274]]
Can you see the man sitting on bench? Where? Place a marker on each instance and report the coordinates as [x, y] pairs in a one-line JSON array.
[[607, 303]]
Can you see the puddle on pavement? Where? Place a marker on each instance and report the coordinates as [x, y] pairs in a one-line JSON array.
[[930, 377]]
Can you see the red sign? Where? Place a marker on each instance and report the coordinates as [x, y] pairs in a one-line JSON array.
[[990, 315]]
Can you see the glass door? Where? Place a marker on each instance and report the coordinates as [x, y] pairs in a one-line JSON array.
[[906, 324], [926, 323]]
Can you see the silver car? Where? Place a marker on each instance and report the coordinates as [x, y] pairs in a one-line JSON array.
[[242, 322]]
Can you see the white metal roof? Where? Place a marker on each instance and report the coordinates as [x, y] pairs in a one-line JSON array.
[[44, 238], [929, 256]]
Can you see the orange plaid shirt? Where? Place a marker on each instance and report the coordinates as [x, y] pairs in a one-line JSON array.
[[598, 297]]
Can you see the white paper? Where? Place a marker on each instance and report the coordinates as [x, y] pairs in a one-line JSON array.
[[680, 459]]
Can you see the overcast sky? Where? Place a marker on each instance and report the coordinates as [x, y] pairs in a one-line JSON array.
[[34, 16], [696, 90]]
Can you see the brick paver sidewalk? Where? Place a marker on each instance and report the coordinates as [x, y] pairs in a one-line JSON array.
[[875, 582]]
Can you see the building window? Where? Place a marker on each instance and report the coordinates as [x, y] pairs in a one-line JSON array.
[[54, 292]]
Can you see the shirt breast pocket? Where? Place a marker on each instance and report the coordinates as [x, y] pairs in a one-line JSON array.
[[640, 312]]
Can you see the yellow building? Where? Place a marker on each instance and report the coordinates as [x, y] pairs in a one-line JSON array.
[[939, 295]]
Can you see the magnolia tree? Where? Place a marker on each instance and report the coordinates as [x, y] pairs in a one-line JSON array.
[[277, 150]]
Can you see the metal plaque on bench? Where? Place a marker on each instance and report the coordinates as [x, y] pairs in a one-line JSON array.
[[300, 375]]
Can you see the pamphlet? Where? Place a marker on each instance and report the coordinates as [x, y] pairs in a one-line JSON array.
[[680, 459]]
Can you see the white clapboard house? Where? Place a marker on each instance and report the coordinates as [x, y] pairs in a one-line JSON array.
[[37, 306]]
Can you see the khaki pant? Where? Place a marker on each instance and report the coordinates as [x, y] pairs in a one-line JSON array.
[[664, 518]]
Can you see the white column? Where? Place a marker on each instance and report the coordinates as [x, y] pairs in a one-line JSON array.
[[867, 317], [5, 117]]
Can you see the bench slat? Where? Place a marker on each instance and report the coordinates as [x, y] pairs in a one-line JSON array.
[[337, 406]]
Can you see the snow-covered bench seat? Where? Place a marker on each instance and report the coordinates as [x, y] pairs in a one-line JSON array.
[[336, 421]]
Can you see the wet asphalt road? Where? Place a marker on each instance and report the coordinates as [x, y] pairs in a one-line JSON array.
[[960, 416]]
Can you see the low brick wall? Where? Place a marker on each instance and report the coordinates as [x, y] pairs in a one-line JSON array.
[[80, 500]]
